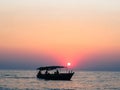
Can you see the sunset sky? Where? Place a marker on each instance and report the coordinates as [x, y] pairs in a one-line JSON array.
[[85, 33]]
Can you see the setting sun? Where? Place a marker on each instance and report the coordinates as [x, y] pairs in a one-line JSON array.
[[68, 64]]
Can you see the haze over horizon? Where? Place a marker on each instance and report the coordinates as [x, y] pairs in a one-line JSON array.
[[36, 33]]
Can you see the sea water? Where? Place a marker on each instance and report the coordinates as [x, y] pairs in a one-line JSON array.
[[81, 80]]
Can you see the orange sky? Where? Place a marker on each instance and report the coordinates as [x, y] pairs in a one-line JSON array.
[[66, 27]]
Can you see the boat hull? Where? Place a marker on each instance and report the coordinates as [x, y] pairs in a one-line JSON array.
[[61, 76]]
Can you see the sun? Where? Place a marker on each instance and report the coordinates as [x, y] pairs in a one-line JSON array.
[[68, 64]]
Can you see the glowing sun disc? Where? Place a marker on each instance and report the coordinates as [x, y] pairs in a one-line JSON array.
[[68, 64]]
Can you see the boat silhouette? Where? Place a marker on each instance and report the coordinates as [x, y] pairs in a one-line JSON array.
[[44, 73]]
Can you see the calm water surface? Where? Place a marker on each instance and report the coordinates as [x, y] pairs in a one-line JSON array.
[[87, 80]]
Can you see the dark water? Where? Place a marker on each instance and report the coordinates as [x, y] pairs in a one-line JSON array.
[[91, 80]]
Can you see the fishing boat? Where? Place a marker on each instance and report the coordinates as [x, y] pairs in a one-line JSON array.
[[44, 73]]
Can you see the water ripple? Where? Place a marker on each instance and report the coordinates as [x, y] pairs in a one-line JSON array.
[[26, 80]]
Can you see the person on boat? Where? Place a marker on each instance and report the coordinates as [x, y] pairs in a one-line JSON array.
[[46, 72], [57, 72], [39, 72]]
